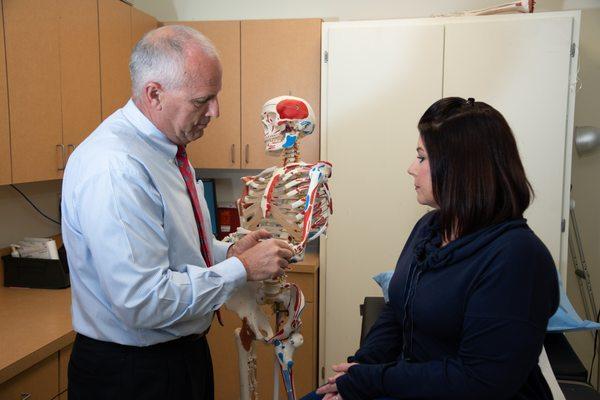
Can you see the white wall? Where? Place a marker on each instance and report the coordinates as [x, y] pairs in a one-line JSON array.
[[18, 219], [586, 176], [172, 10]]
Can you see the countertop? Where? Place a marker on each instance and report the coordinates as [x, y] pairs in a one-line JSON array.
[[35, 324]]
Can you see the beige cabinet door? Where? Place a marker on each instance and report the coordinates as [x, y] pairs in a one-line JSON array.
[[279, 57], [37, 382], [5, 168], [219, 147], [114, 19], [80, 70], [225, 355], [33, 66], [141, 23]]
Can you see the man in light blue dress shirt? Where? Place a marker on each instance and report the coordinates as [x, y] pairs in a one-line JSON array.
[[143, 297]]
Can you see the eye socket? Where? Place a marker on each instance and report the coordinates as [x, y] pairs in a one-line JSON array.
[[199, 103]]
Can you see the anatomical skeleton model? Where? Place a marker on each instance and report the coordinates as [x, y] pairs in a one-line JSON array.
[[293, 203]]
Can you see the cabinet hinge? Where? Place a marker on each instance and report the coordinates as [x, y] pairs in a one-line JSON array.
[[322, 372], [563, 225], [573, 50], [325, 56]]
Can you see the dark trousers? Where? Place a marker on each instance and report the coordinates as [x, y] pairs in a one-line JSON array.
[[180, 369]]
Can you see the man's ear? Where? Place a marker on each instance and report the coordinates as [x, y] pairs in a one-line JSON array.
[[153, 95]]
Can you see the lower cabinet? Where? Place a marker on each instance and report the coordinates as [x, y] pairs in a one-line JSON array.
[[39, 382], [46, 380], [225, 357], [63, 367]]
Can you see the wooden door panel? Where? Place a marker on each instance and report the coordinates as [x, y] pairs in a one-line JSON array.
[[225, 357], [141, 23], [5, 165], [219, 147], [32, 58], [279, 57], [115, 48], [39, 381], [80, 70]]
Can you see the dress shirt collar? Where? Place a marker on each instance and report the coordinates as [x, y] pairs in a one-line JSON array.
[[149, 132]]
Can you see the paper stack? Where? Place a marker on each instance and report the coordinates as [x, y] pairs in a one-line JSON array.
[[35, 248]]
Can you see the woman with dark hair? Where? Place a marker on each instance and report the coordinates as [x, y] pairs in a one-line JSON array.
[[473, 288]]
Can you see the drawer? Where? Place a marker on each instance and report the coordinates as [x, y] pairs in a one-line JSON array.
[[63, 366], [306, 283], [39, 381]]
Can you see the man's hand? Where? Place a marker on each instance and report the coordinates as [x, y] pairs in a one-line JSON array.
[[247, 242], [266, 260]]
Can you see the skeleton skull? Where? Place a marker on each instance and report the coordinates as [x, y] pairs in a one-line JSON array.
[[286, 120]]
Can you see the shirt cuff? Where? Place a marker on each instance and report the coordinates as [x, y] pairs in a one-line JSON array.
[[219, 249], [232, 270]]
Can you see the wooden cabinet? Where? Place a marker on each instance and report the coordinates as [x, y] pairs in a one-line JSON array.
[[5, 166], [79, 70], [279, 57], [224, 351], [63, 367], [33, 67], [40, 382], [219, 147], [53, 78], [114, 19], [261, 60], [45, 380], [141, 23]]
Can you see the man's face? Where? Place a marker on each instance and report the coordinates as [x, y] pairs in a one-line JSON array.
[[187, 110]]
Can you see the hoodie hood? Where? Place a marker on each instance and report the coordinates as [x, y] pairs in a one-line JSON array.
[[429, 254]]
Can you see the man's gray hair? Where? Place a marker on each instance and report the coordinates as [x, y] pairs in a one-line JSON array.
[[160, 56]]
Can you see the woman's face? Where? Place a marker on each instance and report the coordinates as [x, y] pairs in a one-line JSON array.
[[419, 170]]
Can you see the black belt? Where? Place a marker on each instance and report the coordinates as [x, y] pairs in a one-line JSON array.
[[110, 346]]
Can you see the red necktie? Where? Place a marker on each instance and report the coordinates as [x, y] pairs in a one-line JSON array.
[[188, 178]]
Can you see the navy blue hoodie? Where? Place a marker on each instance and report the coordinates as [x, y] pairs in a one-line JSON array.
[[464, 321]]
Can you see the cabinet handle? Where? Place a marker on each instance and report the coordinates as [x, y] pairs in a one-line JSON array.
[[233, 153], [247, 152], [62, 156], [72, 147], [25, 396]]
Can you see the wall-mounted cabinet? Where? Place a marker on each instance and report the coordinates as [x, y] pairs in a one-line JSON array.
[[219, 147], [53, 79], [279, 57], [261, 60], [64, 68], [114, 19], [31, 29], [79, 70], [141, 23], [5, 166]]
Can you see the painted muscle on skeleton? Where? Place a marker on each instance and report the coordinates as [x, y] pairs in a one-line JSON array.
[[293, 203]]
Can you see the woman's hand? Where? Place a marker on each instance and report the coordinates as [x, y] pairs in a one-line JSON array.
[[332, 396], [330, 389]]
